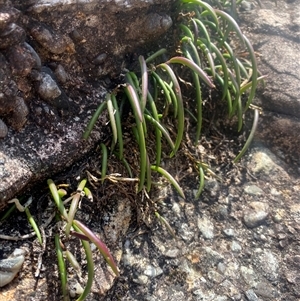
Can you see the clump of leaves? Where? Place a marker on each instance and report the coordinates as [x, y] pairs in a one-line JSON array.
[[155, 93], [78, 229]]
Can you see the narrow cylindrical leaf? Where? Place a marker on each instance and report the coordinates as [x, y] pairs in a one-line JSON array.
[[92, 122], [62, 269], [111, 113], [254, 76], [119, 126], [140, 131], [161, 129], [180, 117], [135, 103], [155, 55], [90, 266], [250, 137], [144, 74], [163, 221], [206, 6], [34, 225], [169, 178], [104, 161], [201, 182], [232, 22], [194, 67], [100, 245], [58, 202], [72, 211]]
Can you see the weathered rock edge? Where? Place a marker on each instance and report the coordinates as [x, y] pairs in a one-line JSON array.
[[53, 50]]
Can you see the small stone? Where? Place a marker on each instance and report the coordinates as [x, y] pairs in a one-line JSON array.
[[248, 276], [221, 267], [265, 290], [61, 74], [222, 211], [266, 262], [229, 232], [100, 59], [141, 279], [48, 88], [176, 208], [10, 266], [235, 247], [206, 227], [256, 215], [172, 253], [152, 272], [210, 257], [215, 276], [3, 129], [186, 232], [253, 190], [251, 296], [279, 215], [275, 192]]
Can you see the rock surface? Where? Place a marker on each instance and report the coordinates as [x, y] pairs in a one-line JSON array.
[[53, 55]]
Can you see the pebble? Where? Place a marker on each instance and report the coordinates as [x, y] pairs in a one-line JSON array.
[[3, 129], [61, 74], [206, 227], [229, 232], [176, 208], [172, 253], [186, 233], [215, 276], [213, 187], [235, 247], [264, 164], [256, 214], [251, 296], [266, 262], [248, 276], [10, 266], [210, 257], [265, 290], [221, 267], [253, 190], [141, 279], [152, 271], [48, 88]]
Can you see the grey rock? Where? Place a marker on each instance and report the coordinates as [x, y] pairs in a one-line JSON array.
[[235, 246], [141, 279], [210, 257], [61, 74], [253, 190], [11, 266], [256, 214], [266, 290], [3, 129], [229, 232], [206, 227], [276, 35], [48, 88], [88, 39], [215, 276], [249, 276], [172, 253], [152, 271], [267, 263], [251, 296]]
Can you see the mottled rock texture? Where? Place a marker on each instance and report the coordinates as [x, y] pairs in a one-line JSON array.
[[55, 58]]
